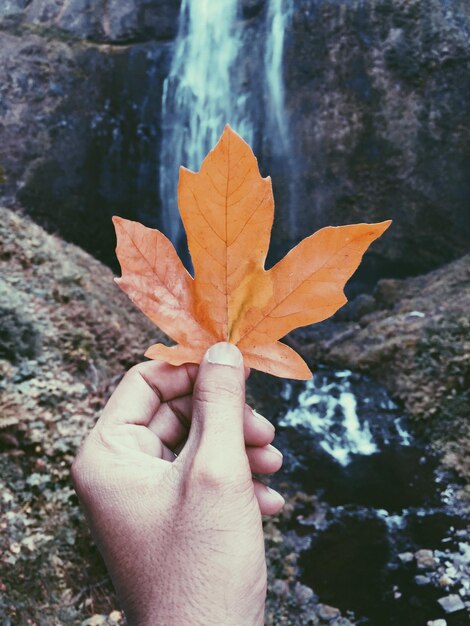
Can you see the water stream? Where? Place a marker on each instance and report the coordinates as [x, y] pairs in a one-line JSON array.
[[345, 441]]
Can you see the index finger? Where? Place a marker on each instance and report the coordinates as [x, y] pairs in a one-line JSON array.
[[144, 388]]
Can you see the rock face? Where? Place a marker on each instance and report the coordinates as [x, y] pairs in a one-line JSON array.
[[376, 97], [79, 130], [114, 21]]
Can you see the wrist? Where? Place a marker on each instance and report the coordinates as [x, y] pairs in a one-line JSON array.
[[181, 612]]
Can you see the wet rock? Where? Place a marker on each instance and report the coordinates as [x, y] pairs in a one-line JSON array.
[[327, 613], [437, 622], [451, 603], [251, 8], [68, 170], [406, 557], [423, 361], [280, 588], [95, 620], [359, 128], [421, 580], [425, 560], [303, 593]]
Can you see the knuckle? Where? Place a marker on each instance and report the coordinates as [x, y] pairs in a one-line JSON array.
[[133, 372], [216, 474], [208, 475]]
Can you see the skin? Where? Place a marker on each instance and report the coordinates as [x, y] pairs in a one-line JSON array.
[[165, 479]]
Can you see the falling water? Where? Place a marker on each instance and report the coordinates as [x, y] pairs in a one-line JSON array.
[[198, 99], [279, 15], [328, 406], [209, 85]]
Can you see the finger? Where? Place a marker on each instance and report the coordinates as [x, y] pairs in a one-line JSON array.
[[258, 431], [265, 460], [143, 389], [172, 421], [270, 501], [216, 432]]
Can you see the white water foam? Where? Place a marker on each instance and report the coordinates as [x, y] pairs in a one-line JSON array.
[[330, 409]]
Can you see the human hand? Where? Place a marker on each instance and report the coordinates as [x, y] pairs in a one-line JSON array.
[[182, 535]]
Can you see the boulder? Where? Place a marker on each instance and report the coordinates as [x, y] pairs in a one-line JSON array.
[[452, 603]]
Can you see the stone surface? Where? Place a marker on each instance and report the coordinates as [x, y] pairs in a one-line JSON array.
[[327, 613], [406, 557], [12, 7], [425, 560], [437, 622], [303, 593], [341, 621], [114, 21], [451, 603], [80, 133], [88, 333]]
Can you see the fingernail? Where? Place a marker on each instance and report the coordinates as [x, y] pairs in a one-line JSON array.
[[225, 353], [271, 448], [277, 494], [261, 418]]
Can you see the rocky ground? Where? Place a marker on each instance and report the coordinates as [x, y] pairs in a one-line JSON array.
[[65, 340]]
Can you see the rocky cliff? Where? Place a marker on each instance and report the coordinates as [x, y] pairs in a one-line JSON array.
[[80, 112], [102, 21], [377, 96]]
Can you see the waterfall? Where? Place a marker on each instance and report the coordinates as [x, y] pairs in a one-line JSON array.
[[279, 15], [348, 423], [198, 99], [208, 85]]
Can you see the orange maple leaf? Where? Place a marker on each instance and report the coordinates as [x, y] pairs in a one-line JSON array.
[[227, 210]]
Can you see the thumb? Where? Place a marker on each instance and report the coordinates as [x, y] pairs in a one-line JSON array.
[[216, 433]]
